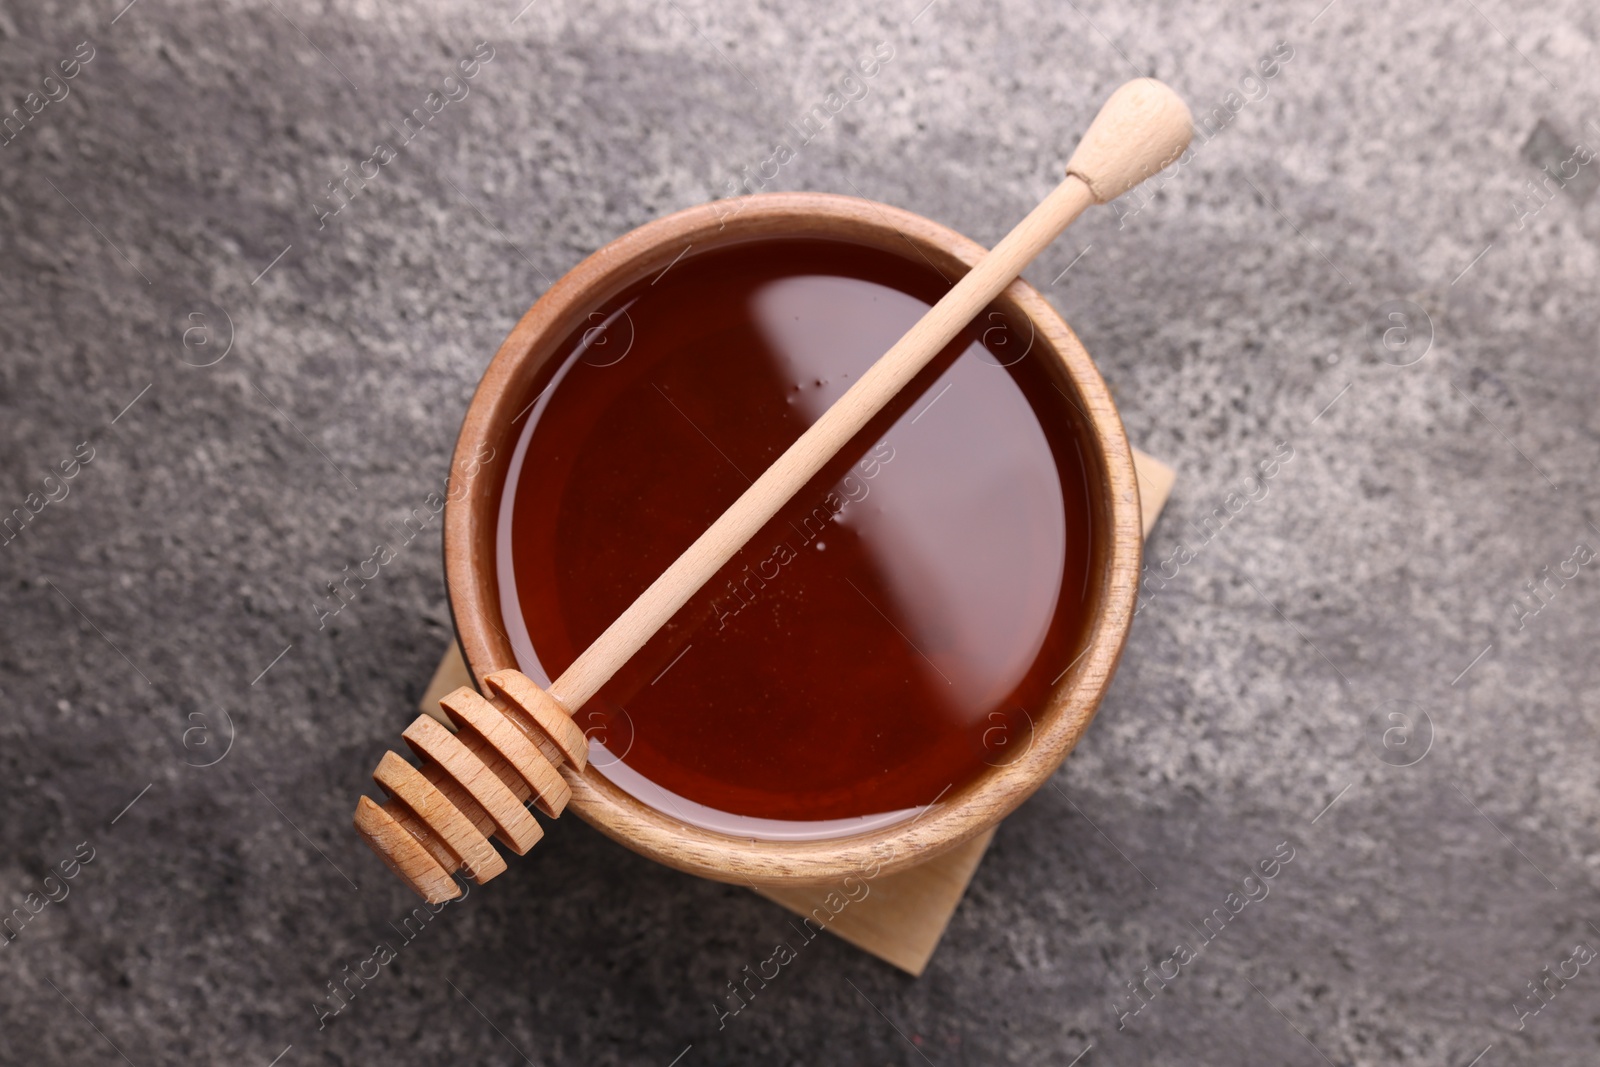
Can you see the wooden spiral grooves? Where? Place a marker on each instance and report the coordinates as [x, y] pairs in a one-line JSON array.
[[508, 749]]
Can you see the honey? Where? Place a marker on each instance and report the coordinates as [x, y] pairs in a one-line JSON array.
[[892, 632]]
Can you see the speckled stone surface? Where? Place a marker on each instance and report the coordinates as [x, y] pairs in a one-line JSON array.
[[168, 602]]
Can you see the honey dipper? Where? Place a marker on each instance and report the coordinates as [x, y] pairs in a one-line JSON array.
[[515, 742]]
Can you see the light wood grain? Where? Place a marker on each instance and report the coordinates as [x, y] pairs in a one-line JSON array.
[[401, 850], [1155, 485], [903, 916], [466, 846], [543, 714], [1142, 128], [470, 711], [446, 677], [441, 748]]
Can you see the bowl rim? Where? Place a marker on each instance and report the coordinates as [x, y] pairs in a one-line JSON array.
[[472, 506]]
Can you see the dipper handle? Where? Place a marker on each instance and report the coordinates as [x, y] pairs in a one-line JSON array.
[[510, 744], [1142, 128]]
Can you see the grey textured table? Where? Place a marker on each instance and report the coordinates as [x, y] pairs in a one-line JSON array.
[[174, 195]]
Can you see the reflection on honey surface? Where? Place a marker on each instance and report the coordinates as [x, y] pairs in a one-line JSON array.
[[888, 633]]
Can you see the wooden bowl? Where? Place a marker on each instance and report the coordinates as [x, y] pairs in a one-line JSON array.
[[490, 429]]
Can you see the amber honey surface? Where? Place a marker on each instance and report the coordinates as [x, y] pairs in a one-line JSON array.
[[893, 631]]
